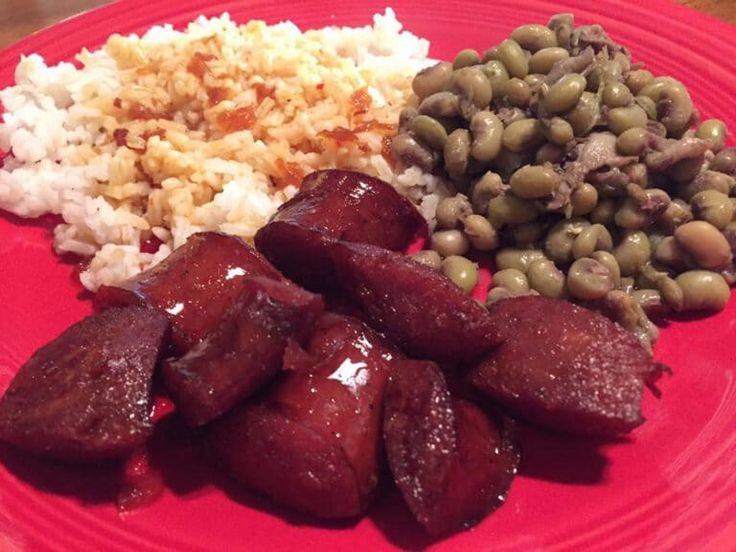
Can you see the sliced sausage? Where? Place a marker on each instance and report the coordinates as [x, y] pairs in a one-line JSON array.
[[86, 395], [336, 205], [452, 463], [565, 368], [314, 443], [193, 286], [244, 351]]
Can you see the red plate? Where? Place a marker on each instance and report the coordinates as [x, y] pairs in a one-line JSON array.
[[671, 486]]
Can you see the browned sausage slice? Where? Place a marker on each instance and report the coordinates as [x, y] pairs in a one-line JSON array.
[[86, 395], [293, 464], [336, 205], [329, 404], [244, 351], [566, 368], [452, 463], [419, 309], [193, 286]]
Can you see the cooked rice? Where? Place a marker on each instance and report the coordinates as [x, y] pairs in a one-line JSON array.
[[207, 129]]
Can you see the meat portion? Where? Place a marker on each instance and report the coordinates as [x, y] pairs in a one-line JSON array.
[[418, 308], [244, 351], [575, 64], [452, 463], [287, 461], [675, 151], [193, 286], [596, 152], [336, 205], [86, 395], [314, 443], [566, 368]]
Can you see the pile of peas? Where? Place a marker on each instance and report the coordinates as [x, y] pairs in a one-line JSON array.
[[652, 229]]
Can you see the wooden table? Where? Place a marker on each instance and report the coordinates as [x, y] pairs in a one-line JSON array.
[[19, 18]]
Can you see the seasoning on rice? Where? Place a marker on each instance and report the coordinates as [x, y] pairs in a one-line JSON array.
[[211, 128]]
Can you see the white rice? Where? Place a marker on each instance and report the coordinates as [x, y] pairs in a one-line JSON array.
[[185, 170]]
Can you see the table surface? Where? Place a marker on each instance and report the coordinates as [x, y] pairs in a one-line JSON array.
[[19, 18]]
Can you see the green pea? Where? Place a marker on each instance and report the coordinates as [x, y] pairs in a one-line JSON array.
[[485, 188], [508, 209], [713, 207], [633, 141], [480, 232], [432, 79], [591, 239], [549, 153], [520, 259], [472, 85], [546, 278], [534, 37], [461, 271], [457, 151], [450, 242], [440, 104], [604, 212], [511, 279], [487, 132], [632, 252], [648, 105], [513, 57], [706, 180], [638, 79], [561, 237], [585, 115], [523, 135], [534, 80], [430, 131], [497, 294], [621, 119], [669, 253], [497, 75], [583, 199], [678, 212], [616, 94], [452, 211], [518, 92], [703, 290], [430, 259], [631, 216], [534, 181], [588, 280], [558, 131], [411, 152], [543, 60], [713, 130], [724, 161], [671, 293], [609, 261], [676, 105], [466, 58], [491, 54], [704, 243], [564, 94]]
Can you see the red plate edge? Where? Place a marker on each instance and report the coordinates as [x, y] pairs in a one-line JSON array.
[[692, 426]]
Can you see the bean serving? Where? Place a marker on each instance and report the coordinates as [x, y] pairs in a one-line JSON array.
[[578, 172]]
